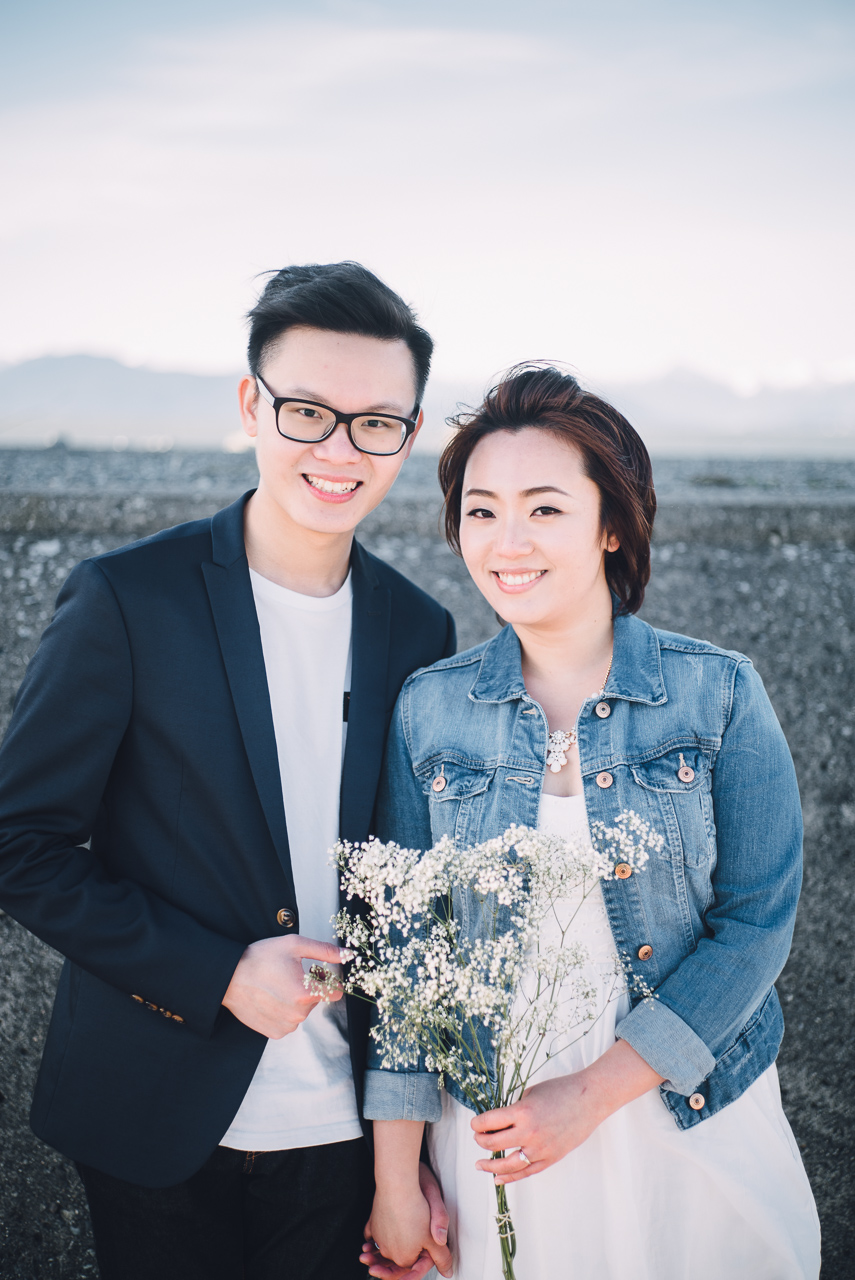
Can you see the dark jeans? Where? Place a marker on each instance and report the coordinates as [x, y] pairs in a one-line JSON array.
[[266, 1215]]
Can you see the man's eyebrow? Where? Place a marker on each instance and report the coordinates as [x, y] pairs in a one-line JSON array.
[[385, 406], [525, 493]]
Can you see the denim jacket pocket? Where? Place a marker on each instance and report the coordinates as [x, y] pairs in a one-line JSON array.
[[457, 793], [680, 779]]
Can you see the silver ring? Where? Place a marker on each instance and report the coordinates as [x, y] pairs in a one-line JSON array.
[[522, 1155]]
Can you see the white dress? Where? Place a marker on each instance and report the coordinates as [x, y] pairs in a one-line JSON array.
[[641, 1199]]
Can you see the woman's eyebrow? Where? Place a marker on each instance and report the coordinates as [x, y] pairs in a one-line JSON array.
[[524, 493]]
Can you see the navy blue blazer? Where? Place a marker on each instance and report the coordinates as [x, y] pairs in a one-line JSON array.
[[143, 832]]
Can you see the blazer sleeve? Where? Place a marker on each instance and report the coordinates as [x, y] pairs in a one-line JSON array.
[[450, 637], [70, 716], [700, 1009]]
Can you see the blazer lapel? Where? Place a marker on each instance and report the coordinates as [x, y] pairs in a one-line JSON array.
[[366, 722], [233, 606]]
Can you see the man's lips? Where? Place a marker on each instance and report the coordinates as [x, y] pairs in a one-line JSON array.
[[512, 583], [331, 490]]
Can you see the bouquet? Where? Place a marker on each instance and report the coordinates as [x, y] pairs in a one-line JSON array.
[[513, 982]]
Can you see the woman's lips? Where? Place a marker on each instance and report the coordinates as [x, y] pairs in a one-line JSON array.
[[513, 583]]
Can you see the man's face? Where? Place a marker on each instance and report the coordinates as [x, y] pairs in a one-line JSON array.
[[328, 486]]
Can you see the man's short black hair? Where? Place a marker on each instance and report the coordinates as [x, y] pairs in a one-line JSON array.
[[342, 297]]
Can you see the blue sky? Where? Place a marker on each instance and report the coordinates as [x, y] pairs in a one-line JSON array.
[[628, 187]]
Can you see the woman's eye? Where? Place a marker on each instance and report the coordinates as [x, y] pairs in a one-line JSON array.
[[546, 511], [480, 513]]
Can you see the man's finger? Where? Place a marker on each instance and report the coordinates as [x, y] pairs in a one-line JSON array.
[[382, 1269], [311, 949], [438, 1212], [442, 1259]]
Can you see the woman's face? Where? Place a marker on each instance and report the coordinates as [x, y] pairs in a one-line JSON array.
[[530, 529]]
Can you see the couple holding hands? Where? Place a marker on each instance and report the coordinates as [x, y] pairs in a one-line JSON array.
[[212, 708]]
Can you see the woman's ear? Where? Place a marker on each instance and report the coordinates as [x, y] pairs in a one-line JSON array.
[[611, 542]]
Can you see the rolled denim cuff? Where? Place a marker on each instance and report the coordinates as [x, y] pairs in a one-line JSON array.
[[402, 1095], [667, 1044]]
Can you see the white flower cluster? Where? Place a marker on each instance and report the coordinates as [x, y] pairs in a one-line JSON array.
[[452, 946]]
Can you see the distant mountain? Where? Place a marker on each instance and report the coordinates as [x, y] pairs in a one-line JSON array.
[[91, 400], [684, 413]]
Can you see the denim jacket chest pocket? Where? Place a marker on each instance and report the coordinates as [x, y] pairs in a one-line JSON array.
[[678, 785], [458, 793]]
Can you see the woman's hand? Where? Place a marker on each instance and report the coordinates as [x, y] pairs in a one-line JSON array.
[[556, 1116], [407, 1232]]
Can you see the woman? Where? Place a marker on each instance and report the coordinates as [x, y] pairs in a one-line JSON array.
[[654, 1146]]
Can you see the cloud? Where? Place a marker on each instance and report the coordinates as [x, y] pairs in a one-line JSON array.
[[628, 201]]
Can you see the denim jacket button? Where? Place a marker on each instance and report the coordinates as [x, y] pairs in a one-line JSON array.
[[604, 780], [603, 709], [686, 774], [645, 952], [623, 871], [438, 784], [286, 918], [697, 1101]]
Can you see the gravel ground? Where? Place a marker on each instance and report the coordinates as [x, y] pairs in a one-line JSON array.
[[790, 606]]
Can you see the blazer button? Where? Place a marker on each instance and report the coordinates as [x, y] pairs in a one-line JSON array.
[[686, 775], [286, 918], [603, 709], [438, 784], [697, 1101], [623, 871], [645, 952], [604, 780]]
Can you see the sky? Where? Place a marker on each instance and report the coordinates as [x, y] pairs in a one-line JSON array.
[[628, 187]]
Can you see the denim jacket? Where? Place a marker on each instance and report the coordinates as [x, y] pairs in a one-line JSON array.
[[684, 735]]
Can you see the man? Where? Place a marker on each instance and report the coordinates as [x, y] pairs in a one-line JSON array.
[[203, 718]]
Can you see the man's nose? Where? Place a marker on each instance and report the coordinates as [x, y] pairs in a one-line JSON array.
[[337, 447]]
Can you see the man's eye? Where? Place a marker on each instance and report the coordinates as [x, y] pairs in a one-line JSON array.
[[305, 412]]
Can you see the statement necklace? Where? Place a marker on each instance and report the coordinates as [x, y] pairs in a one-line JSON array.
[[561, 741]]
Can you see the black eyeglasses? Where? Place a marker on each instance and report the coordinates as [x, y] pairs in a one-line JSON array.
[[306, 421]]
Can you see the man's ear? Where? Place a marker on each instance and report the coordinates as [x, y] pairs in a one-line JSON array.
[[419, 420], [248, 398]]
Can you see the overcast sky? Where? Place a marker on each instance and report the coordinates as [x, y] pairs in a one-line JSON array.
[[630, 187]]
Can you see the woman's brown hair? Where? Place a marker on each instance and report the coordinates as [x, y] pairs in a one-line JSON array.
[[534, 395]]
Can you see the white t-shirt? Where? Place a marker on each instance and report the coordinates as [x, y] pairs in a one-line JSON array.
[[302, 1092]]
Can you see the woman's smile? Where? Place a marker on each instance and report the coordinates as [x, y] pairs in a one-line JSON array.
[[517, 580]]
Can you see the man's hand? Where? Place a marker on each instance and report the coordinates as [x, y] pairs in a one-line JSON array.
[[383, 1269], [267, 991]]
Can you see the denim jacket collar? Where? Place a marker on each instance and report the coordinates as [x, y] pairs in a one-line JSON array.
[[636, 673]]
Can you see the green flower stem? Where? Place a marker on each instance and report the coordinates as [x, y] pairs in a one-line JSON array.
[[507, 1235]]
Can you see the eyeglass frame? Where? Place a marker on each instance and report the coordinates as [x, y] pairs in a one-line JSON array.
[[345, 419]]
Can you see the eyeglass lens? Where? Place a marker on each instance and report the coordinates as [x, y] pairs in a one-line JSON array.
[[371, 432]]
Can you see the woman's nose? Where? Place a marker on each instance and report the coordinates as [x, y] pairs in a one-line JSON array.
[[512, 539]]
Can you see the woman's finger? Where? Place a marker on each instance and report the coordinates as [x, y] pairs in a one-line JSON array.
[[537, 1166], [510, 1163], [499, 1141], [501, 1118]]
